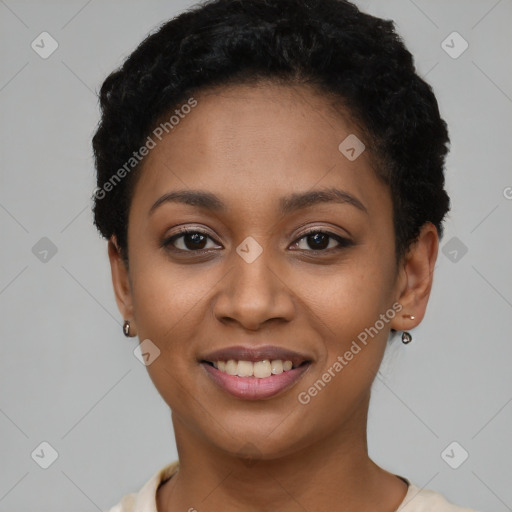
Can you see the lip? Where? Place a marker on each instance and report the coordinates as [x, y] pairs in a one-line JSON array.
[[254, 388]]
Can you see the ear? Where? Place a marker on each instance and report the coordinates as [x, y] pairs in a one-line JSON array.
[[415, 279], [121, 283]]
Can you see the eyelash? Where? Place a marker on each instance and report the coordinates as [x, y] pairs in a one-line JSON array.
[[343, 242]]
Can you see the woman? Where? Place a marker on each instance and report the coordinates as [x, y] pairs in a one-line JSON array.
[[270, 182]]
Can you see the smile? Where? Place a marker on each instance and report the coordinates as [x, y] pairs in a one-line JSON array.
[[259, 369], [258, 381], [255, 372]]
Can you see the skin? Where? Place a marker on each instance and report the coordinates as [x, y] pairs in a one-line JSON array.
[[252, 145]]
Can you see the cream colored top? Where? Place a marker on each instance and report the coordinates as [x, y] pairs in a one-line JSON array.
[[416, 499]]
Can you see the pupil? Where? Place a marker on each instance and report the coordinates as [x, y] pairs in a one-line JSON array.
[[195, 239], [320, 241]]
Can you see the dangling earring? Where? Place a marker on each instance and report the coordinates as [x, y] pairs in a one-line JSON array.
[[406, 337], [126, 328]]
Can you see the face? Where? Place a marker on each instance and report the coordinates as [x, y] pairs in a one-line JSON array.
[[265, 263]]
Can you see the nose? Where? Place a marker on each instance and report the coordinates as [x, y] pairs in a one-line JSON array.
[[253, 294]]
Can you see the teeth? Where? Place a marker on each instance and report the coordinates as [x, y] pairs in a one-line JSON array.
[[260, 369], [231, 367], [276, 366], [245, 369]]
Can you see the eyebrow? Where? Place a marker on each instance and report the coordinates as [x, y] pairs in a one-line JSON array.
[[199, 198], [288, 204], [297, 201]]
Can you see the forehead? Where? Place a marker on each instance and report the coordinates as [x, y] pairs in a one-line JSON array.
[[257, 142]]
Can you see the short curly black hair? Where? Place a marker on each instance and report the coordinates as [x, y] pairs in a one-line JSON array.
[[328, 44]]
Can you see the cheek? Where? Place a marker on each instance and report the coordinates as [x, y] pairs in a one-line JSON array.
[[349, 298], [347, 308], [167, 306], [166, 301]]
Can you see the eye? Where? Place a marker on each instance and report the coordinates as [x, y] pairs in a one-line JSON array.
[[194, 240], [322, 241], [189, 240]]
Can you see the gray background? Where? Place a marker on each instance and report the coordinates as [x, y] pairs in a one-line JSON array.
[[69, 377]]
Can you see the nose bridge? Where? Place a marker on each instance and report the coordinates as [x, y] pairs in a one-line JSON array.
[[253, 292], [253, 275], [253, 269]]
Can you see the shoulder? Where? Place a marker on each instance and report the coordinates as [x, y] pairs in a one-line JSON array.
[[126, 504], [145, 499], [427, 500]]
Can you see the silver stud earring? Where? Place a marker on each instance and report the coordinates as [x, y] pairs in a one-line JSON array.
[[126, 328], [406, 337]]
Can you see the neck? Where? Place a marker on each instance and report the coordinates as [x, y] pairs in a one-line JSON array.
[[331, 469]]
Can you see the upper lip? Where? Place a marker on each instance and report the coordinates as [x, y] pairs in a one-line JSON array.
[[241, 353]]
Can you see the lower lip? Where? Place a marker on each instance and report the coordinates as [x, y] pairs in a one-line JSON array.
[[253, 388]]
